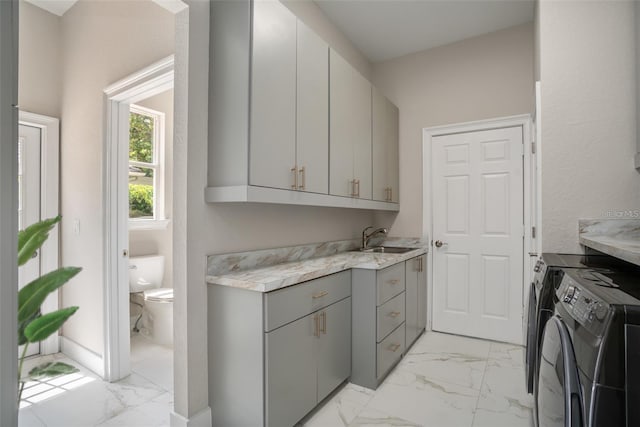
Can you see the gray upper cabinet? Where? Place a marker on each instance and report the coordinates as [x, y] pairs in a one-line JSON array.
[[273, 96], [290, 120], [384, 148], [350, 130], [312, 139]]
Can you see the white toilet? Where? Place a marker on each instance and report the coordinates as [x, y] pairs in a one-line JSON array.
[[145, 275]]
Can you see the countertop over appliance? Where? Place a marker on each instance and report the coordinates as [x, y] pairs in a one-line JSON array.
[[616, 237], [271, 269]]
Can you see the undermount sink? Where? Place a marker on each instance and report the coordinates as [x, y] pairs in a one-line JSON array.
[[386, 249]]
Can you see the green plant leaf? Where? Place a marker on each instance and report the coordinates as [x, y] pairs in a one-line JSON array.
[[31, 297], [22, 339], [47, 324], [51, 369], [31, 238]]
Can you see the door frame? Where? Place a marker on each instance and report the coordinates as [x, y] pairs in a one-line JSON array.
[[49, 205], [8, 212], [152, 80], [529, 244]]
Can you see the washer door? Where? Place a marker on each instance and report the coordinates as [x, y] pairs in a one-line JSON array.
[[530, 333], [559, 400]]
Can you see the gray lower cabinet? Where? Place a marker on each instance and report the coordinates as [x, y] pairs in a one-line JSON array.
[[274, 356], [305, 361], [416, 297], [291, 381], [378, 323], [389, 313]]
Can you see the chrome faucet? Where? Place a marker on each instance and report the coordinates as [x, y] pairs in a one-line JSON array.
[[366, 237]]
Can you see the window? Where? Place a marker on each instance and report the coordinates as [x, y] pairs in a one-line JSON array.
[[146, 168]]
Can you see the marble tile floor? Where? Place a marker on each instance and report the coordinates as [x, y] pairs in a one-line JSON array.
[[444, 381], [145, 398]]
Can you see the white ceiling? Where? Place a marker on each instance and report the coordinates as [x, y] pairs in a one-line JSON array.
[[386, 29], [57, 7]]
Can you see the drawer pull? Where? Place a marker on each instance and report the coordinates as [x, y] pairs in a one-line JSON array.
[[394, 314], [320, 295], [393, 281], [394, 347]]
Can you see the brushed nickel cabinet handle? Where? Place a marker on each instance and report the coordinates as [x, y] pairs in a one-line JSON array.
[[393, 281], [390, 194], [316, 330], [294, 186], [394, 347], [394, 314], [353, 188], [357, 187], [320, 294], [323, 315], [303, 174]]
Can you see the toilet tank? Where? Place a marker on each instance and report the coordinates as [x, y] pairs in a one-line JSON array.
[[145, 272]]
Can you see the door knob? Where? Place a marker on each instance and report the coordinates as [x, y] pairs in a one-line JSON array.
[[439, 243]]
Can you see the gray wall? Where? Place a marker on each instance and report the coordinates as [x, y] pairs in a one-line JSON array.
[[588, 83], [102, 42], [40, 60], [8, 216], [479, 78]]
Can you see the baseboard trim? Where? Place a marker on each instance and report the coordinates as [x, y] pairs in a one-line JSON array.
[[82, 355], [201, 419]]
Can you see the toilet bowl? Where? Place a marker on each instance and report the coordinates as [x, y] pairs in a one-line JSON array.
[[159, 306], [145, 276]]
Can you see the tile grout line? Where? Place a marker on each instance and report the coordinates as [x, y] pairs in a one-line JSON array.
[[484, 372]]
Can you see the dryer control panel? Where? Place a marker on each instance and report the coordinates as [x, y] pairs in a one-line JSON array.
[[583, 305]]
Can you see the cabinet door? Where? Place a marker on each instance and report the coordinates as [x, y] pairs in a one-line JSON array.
[[312, 140], [412, 299], [273, 96], [341, 126], [334, 347], [391, 129], [384, 148], [361, 119], [422, 294], [379, 146], [290, 375]]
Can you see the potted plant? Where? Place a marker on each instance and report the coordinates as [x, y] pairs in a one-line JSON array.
[[33, 325]]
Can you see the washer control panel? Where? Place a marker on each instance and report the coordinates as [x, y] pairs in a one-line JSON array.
[[583, 306]]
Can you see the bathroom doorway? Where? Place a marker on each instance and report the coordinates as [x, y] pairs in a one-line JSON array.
[[139, 178]]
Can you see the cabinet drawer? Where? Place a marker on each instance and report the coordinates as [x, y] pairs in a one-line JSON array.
[[389, 316], [390, 282], [288, 304], [390, 350]]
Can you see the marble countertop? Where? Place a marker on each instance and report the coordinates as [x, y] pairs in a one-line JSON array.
[[616, 237], [277, 276]]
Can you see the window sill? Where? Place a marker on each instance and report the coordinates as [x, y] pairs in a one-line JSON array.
[[148, 224]]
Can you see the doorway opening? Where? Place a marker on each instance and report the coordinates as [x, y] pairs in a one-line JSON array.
[[138, 231], [38, 187]]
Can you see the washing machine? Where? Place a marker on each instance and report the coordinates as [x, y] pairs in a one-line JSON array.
[[589, 371], [548, 273]]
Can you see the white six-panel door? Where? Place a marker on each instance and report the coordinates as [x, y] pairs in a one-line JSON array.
[[477, 192]]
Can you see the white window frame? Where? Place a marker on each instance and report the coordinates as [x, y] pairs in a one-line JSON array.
[[159, 220]]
